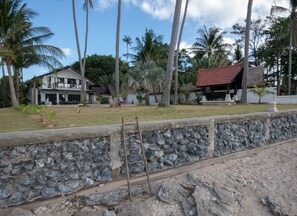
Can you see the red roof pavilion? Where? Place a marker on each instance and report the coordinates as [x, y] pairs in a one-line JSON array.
[[218, 76]]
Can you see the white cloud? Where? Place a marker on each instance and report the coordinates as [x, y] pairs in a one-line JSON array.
[[104, 4], [187, 46], [67, 51], [229, 40], [211, 13]]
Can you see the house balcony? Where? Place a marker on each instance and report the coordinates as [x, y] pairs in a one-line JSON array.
[[63, 86]]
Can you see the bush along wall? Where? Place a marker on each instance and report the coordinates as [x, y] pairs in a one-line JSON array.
[[43, 164]]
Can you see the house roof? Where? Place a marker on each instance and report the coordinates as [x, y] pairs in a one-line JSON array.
[[255, 76], [64, 69], [99, 90], [218, 76]]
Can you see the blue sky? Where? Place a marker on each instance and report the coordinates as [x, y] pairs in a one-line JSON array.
[[137, 15]]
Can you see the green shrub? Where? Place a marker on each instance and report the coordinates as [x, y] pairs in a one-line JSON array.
[[44, 115], [140, 97], [102, 100]]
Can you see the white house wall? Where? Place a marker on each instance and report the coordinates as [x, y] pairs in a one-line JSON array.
[[68, 73]]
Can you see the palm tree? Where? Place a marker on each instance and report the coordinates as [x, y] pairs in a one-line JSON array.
[[117, 62], [82, 62], [177, 52], [261, 92], [14, 19], [127, 39], [293, 31], [210, 43], [165, 100], [21, 44], [150, 48], [246, 52], [146, 77]]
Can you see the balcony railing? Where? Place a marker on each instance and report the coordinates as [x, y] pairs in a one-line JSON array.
[[63, 86]]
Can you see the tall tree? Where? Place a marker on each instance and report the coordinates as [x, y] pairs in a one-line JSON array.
[[273, 51], [246, 52], [150, 47], [237, 54], [177, 52], [210, 47], [165, 100], [82, 61], [2, 67], [127, 39], [117, 63], [293, 32], [21, 44], [146, 77], [257, 30]]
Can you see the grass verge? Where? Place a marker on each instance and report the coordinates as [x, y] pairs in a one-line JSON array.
[[14, 120]]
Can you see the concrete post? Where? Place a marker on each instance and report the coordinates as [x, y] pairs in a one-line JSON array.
[[272, 107], [267, 129], [114, 154], [57, 97], [211, 137]]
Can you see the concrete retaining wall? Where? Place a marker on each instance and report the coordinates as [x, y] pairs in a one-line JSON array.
[[42, 164]]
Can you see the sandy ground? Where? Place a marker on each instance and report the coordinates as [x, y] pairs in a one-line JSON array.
[[264, 181]]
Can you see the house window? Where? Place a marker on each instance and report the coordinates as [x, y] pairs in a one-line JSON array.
[[49, 82], [60, 80], [74, 98], [71, 82], [51, 97]]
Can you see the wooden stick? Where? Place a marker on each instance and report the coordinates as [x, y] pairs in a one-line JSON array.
[[143, 155]]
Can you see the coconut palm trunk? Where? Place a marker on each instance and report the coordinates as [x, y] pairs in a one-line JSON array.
[[83, 83], [16, 76], [78, 48], [117, 62], [82, 62], [290, 57], [14, 101], [165, 100], [2, 66], [177, 53], [246, 52]]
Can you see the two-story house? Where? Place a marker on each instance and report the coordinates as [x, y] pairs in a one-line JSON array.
[[60, 87]]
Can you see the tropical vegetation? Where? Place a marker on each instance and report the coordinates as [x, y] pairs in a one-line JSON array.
[[260, 91], [22, 44], [148, 64]]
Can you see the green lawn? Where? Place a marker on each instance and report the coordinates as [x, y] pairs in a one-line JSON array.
[[15, 120]]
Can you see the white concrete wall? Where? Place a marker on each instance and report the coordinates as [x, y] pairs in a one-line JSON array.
[[290, 99], [132, 98], [253, 98]]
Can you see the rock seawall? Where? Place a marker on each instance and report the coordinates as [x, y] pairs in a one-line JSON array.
[[29, 172], [167, 148], [43, 164]]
